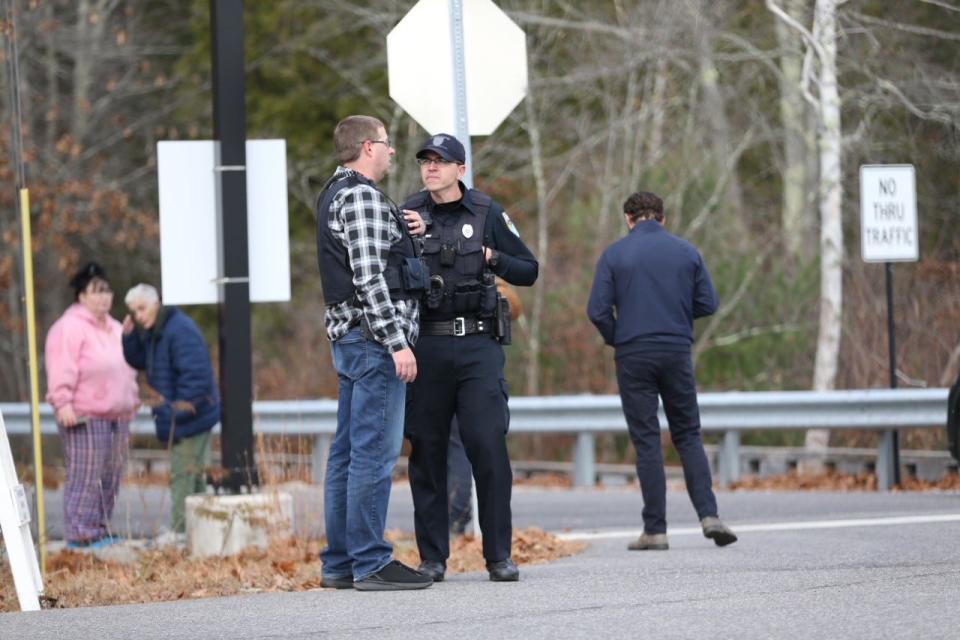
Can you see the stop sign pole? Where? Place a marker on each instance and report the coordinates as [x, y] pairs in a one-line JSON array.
[[460, 115]]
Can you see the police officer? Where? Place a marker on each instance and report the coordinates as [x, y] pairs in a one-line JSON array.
[[469, 240], [648, 289]]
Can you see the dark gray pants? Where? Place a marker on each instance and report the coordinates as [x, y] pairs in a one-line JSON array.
[[643, 377]]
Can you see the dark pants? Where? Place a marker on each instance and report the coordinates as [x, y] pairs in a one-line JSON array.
[[643, 377], [462, 377], [459, 482]]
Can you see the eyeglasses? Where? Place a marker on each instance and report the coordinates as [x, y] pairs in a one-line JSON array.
[[384, 142], [440, 162]]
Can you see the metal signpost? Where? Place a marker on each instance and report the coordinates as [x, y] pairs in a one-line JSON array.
[[230, 129], [889, 233]]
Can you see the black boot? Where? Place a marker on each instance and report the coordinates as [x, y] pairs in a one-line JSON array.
[[503, 571]]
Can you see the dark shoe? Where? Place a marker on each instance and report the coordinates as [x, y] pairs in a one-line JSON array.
[[343, 582], [395, 576], [503, 571], [650, 542], [433, 568], [717, 531]]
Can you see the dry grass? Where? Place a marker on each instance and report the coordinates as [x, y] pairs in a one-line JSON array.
[[79, 579]]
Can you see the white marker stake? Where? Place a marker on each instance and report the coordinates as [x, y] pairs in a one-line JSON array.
[[15, 525]]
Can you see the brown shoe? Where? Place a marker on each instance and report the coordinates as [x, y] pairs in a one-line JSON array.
[[650, 542], [714, 529]]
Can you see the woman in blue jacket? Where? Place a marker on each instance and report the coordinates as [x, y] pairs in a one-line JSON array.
[[170, 349]]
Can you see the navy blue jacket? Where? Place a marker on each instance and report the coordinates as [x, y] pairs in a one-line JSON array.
[[648, 288], [177, 363]]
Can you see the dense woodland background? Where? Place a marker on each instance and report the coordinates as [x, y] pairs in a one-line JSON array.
[[719, 106]]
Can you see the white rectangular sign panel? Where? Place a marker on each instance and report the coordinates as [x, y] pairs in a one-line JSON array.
[[888, 213], [189, 256]]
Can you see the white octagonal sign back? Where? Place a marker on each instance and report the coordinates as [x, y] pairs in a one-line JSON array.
[[420, 65]]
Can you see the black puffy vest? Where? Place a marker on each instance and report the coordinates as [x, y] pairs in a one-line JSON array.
[[336, 275], [453, 250]]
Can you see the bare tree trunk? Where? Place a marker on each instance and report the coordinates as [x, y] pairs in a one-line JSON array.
[[658, 113], [89, 33], [536, 313], [53, 88], [831, 228], [796, 229], [607, 185], [729, 207]]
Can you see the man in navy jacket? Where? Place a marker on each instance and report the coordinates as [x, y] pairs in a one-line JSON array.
[[648, 288], [170, 348]]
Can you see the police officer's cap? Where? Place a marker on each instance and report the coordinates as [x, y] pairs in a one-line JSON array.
[[445, 146]]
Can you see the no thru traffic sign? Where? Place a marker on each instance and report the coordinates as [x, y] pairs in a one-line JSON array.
[[888, 213]]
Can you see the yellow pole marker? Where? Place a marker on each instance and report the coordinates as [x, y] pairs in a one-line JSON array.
[[34, 373]]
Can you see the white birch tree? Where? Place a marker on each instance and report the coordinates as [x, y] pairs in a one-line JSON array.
[[821, 60]]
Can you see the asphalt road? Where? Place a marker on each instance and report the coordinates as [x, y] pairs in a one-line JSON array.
[[142, 512], [808, 565]]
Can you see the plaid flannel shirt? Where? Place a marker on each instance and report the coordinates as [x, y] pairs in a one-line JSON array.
[[364, 224]]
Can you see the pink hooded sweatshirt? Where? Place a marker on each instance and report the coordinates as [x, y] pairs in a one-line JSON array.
[[86, 369]]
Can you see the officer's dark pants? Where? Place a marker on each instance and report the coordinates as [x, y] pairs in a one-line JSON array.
[[459, 482], [460, 376], [642, 377]]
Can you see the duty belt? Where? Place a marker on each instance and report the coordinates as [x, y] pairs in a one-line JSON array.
[[457, 327]]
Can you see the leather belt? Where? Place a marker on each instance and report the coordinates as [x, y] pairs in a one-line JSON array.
[[457, 327]]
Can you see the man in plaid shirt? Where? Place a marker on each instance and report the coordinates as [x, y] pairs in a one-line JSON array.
[[372, 280]]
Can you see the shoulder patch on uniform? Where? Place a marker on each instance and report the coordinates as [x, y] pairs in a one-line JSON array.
[[510, 224]]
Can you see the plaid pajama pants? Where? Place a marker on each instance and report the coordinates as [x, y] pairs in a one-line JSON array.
[[96, 454]]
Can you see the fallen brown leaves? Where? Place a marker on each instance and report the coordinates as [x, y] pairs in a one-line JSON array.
[[836, 481], [78, 579], [530, 546], [547, 480]]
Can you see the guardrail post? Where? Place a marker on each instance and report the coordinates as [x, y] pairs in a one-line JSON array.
[[584, 469], [885, 461], [728, 459], [321, 445]]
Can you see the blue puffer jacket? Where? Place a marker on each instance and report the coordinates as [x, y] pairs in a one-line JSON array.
[[177, 363]]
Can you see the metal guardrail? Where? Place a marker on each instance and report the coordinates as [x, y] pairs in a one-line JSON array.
[[588, 415]]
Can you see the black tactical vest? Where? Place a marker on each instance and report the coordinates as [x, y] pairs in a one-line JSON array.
[[460, 285], [405, 274]]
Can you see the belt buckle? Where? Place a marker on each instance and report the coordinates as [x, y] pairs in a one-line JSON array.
[[459, 327]]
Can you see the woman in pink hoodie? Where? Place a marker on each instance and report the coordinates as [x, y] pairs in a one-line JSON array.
[[94, 394]]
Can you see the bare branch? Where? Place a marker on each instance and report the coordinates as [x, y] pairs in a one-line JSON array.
[[934, 115], [942, 5], [907, 28], [728, 308]]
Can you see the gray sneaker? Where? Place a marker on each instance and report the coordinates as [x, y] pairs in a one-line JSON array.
[[714, 529], [650, 542]]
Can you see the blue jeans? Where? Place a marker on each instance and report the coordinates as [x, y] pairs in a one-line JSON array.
[[362, 455]]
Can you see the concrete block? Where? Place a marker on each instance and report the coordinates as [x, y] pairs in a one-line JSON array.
[[225, 525], [307, 508]]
